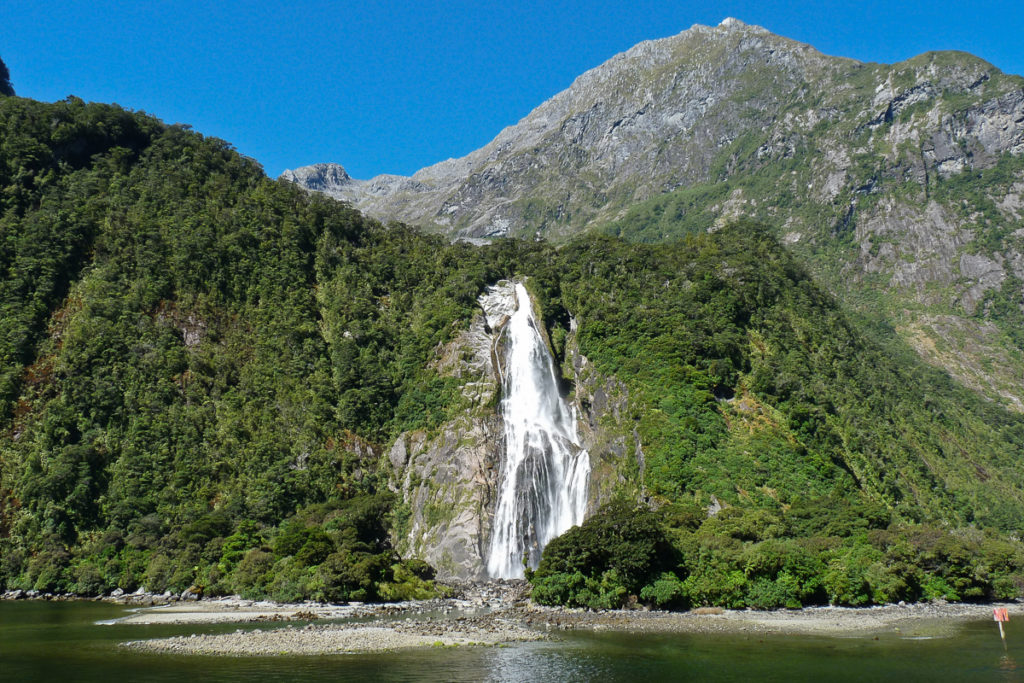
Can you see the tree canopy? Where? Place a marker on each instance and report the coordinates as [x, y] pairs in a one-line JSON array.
[[5, 80]]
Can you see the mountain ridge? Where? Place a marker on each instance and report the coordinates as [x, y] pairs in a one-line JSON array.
[[863, 170], [370, 195], [418, 199]]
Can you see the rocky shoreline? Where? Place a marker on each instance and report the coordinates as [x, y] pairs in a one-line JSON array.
[[460, 594], [526, 622], [494, 613], [932, 619]]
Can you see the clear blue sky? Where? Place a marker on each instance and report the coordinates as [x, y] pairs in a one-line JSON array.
[[390, 87]]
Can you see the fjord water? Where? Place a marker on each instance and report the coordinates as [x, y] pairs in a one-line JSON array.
[[542, 490], [42, 641]]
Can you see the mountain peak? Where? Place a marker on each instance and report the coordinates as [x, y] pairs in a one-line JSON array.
[[320, 177], [651, 117], [707, 104]]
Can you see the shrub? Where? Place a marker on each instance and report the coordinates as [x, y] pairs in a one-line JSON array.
[[619, 538], [88, 580], [846, 578], [936, 588], [559, 588], [406, 584], [667, 592], [315, 550], [347, 575], [765, 593], [158, 573], [711, 587], [252, 575], [290, 581]]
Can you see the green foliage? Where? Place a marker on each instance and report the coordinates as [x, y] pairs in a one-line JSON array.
[[557, 588], [187, 347], [604, 591], [748, 383], [737, 560], [1005, 306], [253, 573], [5, 80], [621, 545], [667, 592]]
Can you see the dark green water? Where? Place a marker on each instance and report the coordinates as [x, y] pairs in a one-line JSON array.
[[60, 642]]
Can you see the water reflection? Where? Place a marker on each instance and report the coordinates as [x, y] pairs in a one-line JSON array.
[[47, 642], [544, 663], [1008, 666]]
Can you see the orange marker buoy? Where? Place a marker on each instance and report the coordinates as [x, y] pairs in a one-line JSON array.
[[1001, 614]]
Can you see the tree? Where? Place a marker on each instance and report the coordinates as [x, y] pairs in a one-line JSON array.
[[5, 80]]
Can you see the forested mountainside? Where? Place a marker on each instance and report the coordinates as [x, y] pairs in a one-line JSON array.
[[203, 371], [898, 186], [193, 354]]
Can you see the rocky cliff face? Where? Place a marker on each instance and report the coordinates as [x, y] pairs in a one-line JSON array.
[[607, 429], [899, 185], [709, 104], [646, 121], [447, 479], [327, 178]]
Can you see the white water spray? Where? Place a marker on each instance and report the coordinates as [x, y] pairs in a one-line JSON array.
[[542, 491]]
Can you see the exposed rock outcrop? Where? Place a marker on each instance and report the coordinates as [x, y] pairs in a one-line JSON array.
[[662, 114], [447, 479], [647, 120], [606, 428], [326, 178], [448, 484]]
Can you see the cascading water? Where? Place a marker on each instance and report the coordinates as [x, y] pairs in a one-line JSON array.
[[542, 491]]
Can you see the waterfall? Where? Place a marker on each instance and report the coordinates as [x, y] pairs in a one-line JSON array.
[[542, 490]]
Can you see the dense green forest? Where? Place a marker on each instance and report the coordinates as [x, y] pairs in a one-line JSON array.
[[850, 472], [818, 551], [199, 365], [201, 368]]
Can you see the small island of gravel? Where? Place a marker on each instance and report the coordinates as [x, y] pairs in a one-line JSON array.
[[327, 639]]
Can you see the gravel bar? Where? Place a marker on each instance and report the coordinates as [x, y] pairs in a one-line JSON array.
[[334, 639]]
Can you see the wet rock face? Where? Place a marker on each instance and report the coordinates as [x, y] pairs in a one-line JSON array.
[[448, 485], [606, 430], [447, 479]]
